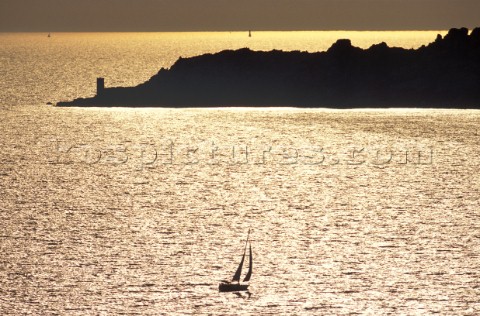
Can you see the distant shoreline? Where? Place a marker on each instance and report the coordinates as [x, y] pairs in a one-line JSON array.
[[444, 74]]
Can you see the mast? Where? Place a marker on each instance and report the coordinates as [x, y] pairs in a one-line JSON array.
[[236, 276], [250, 262]]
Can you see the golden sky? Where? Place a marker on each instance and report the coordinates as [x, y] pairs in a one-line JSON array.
[[231, 15]]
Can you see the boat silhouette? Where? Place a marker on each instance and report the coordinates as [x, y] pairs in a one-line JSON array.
[[231, 286]]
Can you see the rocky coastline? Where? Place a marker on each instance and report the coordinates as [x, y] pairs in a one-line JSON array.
[[442, 74]]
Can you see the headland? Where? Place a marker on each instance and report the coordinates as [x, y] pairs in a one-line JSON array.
[[442, 74]]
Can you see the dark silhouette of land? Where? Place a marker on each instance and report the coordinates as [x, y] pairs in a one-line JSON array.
[[443, 74]]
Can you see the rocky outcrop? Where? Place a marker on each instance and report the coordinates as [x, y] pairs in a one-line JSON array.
[[445, 73]]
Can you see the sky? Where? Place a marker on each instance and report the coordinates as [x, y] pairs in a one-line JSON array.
[[235, 15]]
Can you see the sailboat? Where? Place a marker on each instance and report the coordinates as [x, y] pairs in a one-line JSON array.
[[231, 286]]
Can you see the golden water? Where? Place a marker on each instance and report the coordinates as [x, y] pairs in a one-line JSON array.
[[144, 211]]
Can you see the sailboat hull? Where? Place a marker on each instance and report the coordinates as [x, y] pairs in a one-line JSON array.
[[232, 287]]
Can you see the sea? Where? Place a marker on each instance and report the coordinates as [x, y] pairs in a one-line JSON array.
[[117, 211]]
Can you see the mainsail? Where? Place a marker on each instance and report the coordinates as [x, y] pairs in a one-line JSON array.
[[249, 273], [236, 276]]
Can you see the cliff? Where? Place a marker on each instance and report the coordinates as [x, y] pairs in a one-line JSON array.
[[443, 74]]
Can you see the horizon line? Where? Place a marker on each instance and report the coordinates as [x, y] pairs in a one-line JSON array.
[[246, 30]]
